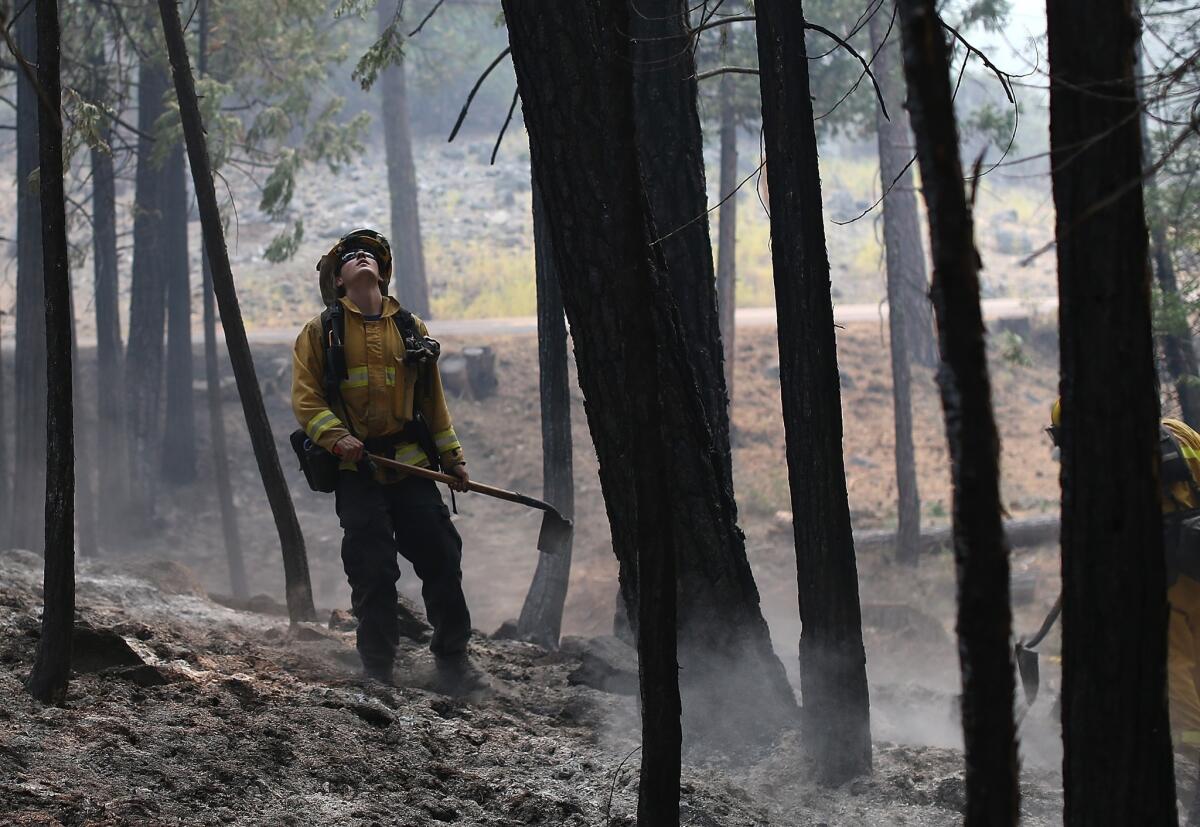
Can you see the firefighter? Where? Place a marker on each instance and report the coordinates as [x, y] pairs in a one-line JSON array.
[[383, 395], [1179, 472]]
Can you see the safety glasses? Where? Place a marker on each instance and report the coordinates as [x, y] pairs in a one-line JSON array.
[[353, 254]]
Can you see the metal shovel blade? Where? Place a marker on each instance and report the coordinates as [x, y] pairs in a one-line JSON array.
[[555, 534], [1027, 667]]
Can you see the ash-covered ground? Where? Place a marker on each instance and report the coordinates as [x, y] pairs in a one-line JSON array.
[[185, 711]]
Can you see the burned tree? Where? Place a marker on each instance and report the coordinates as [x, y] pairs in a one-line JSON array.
[[52, 668], [632, 357], [29, 368], [541, 614], [905, 286], [573, 73], [147, 300], [1117, 762], [219, 451], [671, 155], [295, 561], [980, 548], [833, 676]]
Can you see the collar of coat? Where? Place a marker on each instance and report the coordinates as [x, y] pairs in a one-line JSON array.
[[390, 306]]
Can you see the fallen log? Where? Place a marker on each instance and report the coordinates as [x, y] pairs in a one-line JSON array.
[[1032, 531]]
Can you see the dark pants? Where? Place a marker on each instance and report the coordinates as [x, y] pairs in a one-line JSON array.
[[409, 517]]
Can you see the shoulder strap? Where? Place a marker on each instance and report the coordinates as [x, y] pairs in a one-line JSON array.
[[333, 332]]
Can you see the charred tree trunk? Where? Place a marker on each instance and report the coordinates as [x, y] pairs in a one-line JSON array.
[[84, 464], [147, 303], [219, 451], [541, 615], [52, 668], [908, 285], [4, 478], [573, 72], [671, 154], [111, 456], [905, 269], [29, 370], [238, 585], [179, 435], [1117, 761], [980, 548], [727, 232], [833, 676], [295, 561], [408, 257], [600, 236]]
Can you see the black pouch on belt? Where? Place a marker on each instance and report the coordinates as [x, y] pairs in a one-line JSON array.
[[320, 467]]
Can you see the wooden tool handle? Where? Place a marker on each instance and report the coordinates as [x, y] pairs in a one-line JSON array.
[[438, 476]]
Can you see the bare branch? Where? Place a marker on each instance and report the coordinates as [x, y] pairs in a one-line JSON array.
[[475, 89], [425, 19], [512, 106]]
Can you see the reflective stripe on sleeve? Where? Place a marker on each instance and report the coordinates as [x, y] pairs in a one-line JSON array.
[[321, 423], [391, 376], [446, 440]]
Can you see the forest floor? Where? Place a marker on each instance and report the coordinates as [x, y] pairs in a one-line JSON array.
[[260, 724]]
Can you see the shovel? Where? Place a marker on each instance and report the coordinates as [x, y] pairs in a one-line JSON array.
[[556, 530], [1027, 658]]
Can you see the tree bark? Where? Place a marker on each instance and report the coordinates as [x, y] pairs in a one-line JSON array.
[[906, 276], [905, 270], [52, 667], [147, 304], [408, 256], [295, 561], [832, 658], [179, 436], [1117, 761], [671, 154], [586, 166], [541, 615], [980, 549], [616, 304], [212, 382], [29, 369], [727, 232], [111, 456]]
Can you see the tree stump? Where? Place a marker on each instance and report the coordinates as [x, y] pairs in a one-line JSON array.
[[481, 371]]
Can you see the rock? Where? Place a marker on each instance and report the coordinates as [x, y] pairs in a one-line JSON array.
[[170, 577], [606, 664], [341, 620], [951, 793], [145, 675], [413, 624], [507, 631], [309, 632], [94, 649]]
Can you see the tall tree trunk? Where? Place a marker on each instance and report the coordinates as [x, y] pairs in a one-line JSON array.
[[147, 303], [218, 450], [85, 461], [586, 166], [1117, 761], [408, 256], [908, 285], [727, 230], [905, 268], [29, 371], [295, 561], [833, 674], [671, 155], [52, 668], [541, 615], [573, 73], [111, 456], [6, 529], [179, 436], [980, 548]]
